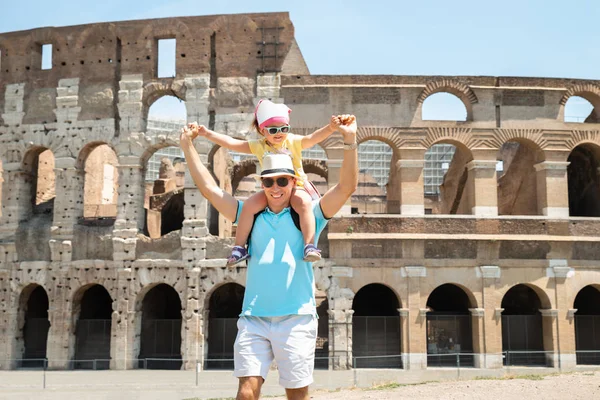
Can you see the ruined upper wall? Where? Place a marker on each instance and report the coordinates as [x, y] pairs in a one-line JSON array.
[[99, 54]]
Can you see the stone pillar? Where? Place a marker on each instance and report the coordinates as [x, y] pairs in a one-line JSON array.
[[416, 356], [393, 188], [195, 229], [482, 184], [59, 314], [13, 104], [410, 170], [130, 208], [16, 202], [9, 314], [491, 321], [67, 98], [565, 323], [477, 321], [404, 336], [68, 208], [121, 325], [340, 319], [553, 188], [197, 98], [192, 343], [131, 109], [550, 329]]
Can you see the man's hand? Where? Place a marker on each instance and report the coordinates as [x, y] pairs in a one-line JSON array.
[[348, 128], [187, 135]]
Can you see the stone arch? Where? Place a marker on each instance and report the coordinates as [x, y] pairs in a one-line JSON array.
[[90, 338], [38, 164], [376, 327], [224, 307], [241, 170], [449, 326], [583, 178], [154, 90], [587, 325], [33, 325], [447, 191], [315, 167], [472, 300], [376, 172], [526, 335], [587, 91], [158, 329], [456, 88], [389, 136], [99, 180]]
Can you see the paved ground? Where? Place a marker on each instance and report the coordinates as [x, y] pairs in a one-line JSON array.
[[329, 385]]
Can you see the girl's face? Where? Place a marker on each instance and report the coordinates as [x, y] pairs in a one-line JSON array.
[[276, 133]]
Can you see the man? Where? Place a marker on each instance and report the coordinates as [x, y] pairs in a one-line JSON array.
[[278, 319]]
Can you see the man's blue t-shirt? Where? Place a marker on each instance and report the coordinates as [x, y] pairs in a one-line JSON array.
[[278, 281]]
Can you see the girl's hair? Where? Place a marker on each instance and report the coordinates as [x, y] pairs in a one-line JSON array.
[[255, 126]]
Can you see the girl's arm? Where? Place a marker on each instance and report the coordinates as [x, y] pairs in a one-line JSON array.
[[241, 146], [321, 134]]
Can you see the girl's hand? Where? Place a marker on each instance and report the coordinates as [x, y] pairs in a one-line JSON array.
[[335, 122]]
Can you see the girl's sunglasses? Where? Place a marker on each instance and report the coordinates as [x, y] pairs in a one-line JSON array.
[[275, 130], [281, 182]]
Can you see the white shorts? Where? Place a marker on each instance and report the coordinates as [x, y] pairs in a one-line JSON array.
[[290, 340]]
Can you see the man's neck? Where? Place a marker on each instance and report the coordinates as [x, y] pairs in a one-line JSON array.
[[278, 209]]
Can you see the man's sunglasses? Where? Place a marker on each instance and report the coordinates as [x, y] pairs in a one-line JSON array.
[[275, 130], [281, 182]]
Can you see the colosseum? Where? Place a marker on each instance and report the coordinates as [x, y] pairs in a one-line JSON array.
[[102, 268]]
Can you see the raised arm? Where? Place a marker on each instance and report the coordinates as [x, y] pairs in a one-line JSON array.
[[225, 203], [336, 197], [321, 134], [241, 146]]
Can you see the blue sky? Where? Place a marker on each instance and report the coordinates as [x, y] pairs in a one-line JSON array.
[[548, 38]]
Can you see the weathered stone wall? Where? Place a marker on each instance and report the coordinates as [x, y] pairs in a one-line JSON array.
[[104, 79]]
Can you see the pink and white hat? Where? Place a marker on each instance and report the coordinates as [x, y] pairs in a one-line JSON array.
[[268, 113]]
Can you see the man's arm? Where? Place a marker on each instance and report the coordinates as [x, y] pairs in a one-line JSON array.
[[336, 197], [225, 203], [321, 134], [241, 146]]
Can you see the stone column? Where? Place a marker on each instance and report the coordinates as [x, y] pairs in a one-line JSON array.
[[491, 321], [417, 324], [410, 170], [477, 321], [550, 329], [565, 325], [195, 229], [335, 157], [121, 325], [482, 184], [130, 106], [68, 208], [393, 188], [404, 336], [16, 201], [59, 314], [130, 208], [192, 342], [553, 188], [340, 319]]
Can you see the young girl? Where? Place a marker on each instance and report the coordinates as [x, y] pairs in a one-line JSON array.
[[272, 121]]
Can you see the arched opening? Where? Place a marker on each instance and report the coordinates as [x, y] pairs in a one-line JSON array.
[[522, 327], [587, 326], [584, 181], [101, 183], [39, 166], [160, 336], [34, 306], [449, 328], [225, 306], [165, 169], [92, 329], [443, 106], [445, 179], [517, 178], [322, 346], [164, 198], [374, 159], [376, 336], [579, 110]]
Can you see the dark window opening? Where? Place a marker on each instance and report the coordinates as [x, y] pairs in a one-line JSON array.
[[35, 329]]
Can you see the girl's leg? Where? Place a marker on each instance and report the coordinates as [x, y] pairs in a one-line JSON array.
[[302, 203], [255, 204]]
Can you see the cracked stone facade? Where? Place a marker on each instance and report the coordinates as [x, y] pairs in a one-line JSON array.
[[535, 225]]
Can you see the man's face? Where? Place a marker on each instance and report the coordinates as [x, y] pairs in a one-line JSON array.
[[278, 190]]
